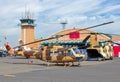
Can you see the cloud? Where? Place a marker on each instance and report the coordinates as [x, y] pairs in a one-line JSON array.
[[78, 13], [49, 13], [109, 9], [11, 11], [11, 31], [67, 8], [15, 8]]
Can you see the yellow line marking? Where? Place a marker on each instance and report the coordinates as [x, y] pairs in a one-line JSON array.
[[9, 75]]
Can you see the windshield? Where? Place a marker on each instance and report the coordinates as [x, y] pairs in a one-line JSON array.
[[77, 51]]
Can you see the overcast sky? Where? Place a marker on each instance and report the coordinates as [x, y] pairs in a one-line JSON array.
[[48, 15]]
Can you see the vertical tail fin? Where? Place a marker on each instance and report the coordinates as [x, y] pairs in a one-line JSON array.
[[8, 48], [93, 40]]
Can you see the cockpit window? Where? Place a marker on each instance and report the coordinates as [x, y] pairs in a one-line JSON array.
[[77, 51], [69, 53], [53, 53]]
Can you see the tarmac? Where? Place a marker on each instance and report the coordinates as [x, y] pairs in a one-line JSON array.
[[18, 69]]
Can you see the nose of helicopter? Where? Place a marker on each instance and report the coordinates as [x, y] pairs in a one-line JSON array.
[[79, 58]]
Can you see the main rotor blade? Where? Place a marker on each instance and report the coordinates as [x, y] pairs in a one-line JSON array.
[[85, 40], [93, 26], [113, 42], [100, 33], [35, 42], [67, 33], [116, 43]]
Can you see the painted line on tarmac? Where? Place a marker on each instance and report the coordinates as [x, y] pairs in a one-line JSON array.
[[46, 68], [42, 69], [9, 75]]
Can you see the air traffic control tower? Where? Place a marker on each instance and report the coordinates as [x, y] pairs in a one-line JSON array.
[[27, 30]]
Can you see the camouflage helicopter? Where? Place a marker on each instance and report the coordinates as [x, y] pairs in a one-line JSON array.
[[99, 50], [55, 54]]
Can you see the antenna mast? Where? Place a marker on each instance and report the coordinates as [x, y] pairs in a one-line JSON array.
[[63, 23]]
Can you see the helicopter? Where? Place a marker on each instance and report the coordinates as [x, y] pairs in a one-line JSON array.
[[54, 54], [99, 50]]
